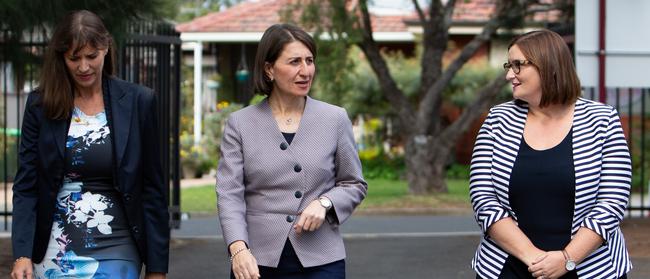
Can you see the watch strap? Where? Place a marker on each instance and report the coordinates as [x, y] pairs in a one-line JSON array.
[[569, 264]]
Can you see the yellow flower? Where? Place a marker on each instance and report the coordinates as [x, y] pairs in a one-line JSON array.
[[222, 105]]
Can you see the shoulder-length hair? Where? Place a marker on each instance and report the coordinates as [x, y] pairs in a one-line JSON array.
[[551, 56], [76, 30], [273, 41]]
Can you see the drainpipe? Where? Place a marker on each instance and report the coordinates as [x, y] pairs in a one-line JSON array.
[[602, 96]]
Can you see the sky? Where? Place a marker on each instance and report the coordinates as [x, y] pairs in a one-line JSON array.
[[388, 7]]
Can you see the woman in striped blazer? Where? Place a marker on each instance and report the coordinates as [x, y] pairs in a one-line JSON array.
[[550, 174]]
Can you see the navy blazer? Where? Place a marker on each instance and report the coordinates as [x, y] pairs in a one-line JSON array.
[[132, 117]]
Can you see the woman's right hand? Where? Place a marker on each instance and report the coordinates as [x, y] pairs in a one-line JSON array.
[[23, 268], [244, 264]]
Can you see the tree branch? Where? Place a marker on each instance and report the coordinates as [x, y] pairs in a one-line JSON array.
[[395, 96], [430, 104], [423, 19], [435, 39], [484, 100], [449, 13]]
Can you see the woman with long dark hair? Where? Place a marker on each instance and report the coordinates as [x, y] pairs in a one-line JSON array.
[[89, 200]]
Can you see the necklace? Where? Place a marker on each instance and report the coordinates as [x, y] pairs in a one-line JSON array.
[[77, 117], [289, 121], [84, 122]]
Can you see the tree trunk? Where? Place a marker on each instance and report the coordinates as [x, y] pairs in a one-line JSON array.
[[426, 161]]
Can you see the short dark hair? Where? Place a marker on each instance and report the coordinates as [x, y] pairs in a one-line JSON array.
[[273, 41], [550, 54], [76, 30]]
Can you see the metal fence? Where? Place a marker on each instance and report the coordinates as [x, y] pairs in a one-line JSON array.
[[632, 105], [151, 56]]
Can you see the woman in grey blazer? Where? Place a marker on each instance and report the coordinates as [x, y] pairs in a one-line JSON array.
[[289, 172], [550, 174]]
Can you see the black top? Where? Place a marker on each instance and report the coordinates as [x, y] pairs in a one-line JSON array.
[[289, 137], [542, 197]]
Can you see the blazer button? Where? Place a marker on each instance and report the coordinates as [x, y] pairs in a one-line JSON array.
[[290, 218], [284, 146], [298, 194], [297, 168], [135, 229], [127, 198]]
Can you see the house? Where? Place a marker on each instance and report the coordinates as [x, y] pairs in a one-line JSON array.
[[225, 42]]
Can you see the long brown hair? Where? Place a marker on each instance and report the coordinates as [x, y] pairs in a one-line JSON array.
[[551, 56], [77, 30]]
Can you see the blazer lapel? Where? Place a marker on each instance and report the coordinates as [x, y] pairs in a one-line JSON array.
[[59, 129], [121, 109], [305, 125], [305, 120]]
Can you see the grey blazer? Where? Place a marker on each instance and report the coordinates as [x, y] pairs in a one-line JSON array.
[[263, 183]]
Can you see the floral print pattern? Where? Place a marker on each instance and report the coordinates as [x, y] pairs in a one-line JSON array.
[[85, 215]]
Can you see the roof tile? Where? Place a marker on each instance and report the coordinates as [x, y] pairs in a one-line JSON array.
[[256, 16]]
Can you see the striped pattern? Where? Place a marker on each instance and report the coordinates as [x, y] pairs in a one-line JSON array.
[[603, 176], [258, 181]]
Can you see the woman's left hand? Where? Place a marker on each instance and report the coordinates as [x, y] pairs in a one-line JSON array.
[[155, 275], [548, 266], [311, 218]]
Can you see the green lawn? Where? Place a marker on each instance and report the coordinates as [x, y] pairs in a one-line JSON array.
[[381, 194], [199, 199]]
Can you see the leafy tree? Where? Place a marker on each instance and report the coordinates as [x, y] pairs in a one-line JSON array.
[[17, 17], [30, 20], [189, 9], [429, 139]]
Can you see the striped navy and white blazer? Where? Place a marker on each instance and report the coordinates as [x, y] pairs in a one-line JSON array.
[[603, 176]]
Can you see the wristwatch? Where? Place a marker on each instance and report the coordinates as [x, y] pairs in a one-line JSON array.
[[569, 264], [325, 202]]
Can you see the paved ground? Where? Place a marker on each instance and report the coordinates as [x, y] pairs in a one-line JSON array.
[[379, 257], [357, 226], [377, 247], [383, 247]]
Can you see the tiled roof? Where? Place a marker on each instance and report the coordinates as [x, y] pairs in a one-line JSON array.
[[244, 17], [259, 15], [392, 23], [473, 11], [256, 16]]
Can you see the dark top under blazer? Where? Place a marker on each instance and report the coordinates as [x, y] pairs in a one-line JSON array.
[[263, 183], [603, 175], [132, 116]]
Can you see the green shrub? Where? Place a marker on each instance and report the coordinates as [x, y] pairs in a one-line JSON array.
[[11, 156], [201, 158], [458, 171], [383, 167]]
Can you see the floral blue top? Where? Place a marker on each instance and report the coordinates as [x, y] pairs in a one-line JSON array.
[[90, 227]]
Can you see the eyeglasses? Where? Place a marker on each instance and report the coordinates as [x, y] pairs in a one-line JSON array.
[[516, 65]]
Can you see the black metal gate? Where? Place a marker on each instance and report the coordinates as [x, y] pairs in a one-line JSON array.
[[151, 56], [632, 105]]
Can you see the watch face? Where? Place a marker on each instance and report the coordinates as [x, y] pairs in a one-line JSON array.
[[325, 203], [570, 265]]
